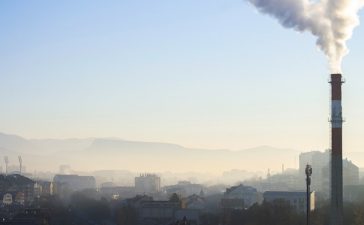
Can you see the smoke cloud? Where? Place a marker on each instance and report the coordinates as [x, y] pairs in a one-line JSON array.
[[331, 21]]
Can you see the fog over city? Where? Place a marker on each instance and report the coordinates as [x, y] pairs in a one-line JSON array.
[[126, 159], [193, 112]]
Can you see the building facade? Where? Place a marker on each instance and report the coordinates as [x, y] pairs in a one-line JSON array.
[[240, 197], [296, 199], [16, 189], [147, 184], [65, 185], [320, 162]]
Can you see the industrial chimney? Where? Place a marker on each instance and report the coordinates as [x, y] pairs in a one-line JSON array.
[[336, 151]]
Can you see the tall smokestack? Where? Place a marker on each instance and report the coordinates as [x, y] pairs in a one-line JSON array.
[[336, 151]]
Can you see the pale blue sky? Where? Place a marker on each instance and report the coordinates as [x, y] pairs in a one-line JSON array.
[[200, 73]]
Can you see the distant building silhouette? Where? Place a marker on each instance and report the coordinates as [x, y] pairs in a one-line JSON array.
[[320, 162], [118, 192], [194, 202], [16, 189], [353, 193], [240, 197], [43, 188], [64, 185], [297, 199], [184, 189], [147, 184]]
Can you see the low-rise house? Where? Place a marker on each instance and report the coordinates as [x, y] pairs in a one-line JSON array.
[[240, 197], [194, 202], [184, 189], [43, 188], [16, 187]]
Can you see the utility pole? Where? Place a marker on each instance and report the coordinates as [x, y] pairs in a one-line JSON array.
[[308, 172]]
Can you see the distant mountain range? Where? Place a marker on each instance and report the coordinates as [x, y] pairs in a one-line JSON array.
[[99, 153], [107, 153]]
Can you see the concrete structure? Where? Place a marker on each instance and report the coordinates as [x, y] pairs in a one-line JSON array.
[[184, 189], [350, 173], [118, 192], [138, 200], [321, 178], [75, 182], [43, 188], [354, 193], [65, 169], [147, 184], [8, 199], [194, 202], [19, 187], [20, 198], [15, 169], [285, 181], [240, 197], [318, 160], [65, 185], [336, 151], [297, 199], [107, 185]]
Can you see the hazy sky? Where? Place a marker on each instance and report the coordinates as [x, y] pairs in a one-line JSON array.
[[200, 73]]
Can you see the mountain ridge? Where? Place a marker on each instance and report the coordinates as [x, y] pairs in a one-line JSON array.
[[114, 153]]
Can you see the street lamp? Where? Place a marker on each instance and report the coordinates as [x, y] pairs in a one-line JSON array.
[[308, 172]]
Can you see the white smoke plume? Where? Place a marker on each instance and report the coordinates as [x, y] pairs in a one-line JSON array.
[[331, 21]]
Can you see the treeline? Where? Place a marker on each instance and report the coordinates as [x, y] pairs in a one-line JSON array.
[[82, 209], [281, 213]]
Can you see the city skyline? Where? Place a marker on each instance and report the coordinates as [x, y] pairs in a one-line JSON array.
[[219, 112]]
